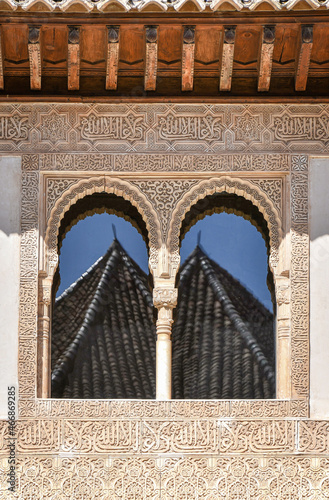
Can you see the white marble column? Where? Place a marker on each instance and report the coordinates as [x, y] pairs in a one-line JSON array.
[[283, 365], [44, 348], [165, 300]]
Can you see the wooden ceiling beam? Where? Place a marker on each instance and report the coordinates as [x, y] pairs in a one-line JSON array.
[[112, 62], [188, 58], [226, 71], [35, 57], [151, 58], [73, 61], [266, 59], [303, 58]]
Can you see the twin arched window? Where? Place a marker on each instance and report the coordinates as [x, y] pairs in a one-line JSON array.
[[103, 326]]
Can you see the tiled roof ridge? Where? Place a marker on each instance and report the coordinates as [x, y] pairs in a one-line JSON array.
[[229, 309], [66, 360], [192, 258], [112, 256], [71, 288], [135, 272]]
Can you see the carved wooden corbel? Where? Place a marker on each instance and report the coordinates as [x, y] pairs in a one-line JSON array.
[[188, 58], [227, 59], [266, 59], [303, 58], [151, 58], [35, 57], [73, 82], [112, 63]]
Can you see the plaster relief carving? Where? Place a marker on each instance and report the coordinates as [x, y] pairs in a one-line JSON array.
[[100, 184], [271, 477], [195, 436], [164, 128], [165, 297], [313, 436], [38, 436], [14, 128], [247, 128], [182, 127], [92, 437], [98, 127], [158, 162], [164, 194], [273, 189], [256, 437], [241, 187], [257, 150], [289, 128], [299, 276], [54, 127], [55, 189]]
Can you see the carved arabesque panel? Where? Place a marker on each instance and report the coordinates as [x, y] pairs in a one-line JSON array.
[[299, 276], [163, 128], [180, 477], [69, 192], [164, 195], [241, 187]]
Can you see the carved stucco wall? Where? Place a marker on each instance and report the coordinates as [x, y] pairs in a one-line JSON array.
[[163, 158]]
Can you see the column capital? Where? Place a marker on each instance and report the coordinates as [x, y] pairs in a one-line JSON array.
[[165, 297]]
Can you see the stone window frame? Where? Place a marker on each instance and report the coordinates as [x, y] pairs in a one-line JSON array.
[[43, 197]]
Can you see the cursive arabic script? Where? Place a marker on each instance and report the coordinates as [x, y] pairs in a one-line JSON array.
[[14, 127], [302, 127], [206, 127], [112, 127]]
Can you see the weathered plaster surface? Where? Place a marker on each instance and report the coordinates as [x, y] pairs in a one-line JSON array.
[[319, 289], [10, 196]]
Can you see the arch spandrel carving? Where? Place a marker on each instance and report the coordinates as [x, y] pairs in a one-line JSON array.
[[244, 188], [101, 184]]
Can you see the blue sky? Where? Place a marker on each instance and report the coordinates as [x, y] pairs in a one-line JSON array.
[[228, 239]]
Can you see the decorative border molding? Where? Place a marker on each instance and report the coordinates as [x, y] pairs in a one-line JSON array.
[[151, 129], [86, 6], [299, 277], [157, 163], [216, 477]]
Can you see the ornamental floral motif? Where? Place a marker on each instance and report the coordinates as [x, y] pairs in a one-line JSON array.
[[54, 127], [247, 128]]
